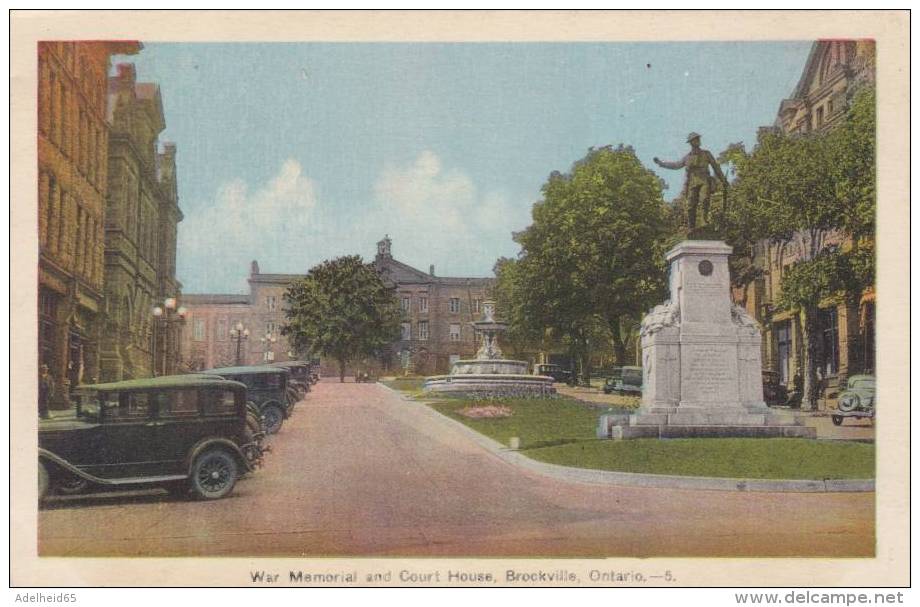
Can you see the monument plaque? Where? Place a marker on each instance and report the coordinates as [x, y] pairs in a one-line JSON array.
[[701, 359]]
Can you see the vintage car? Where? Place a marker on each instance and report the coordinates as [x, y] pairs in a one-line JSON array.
[[774, 393], [555, 371], [187, 433], [628, 381], [301, 379], [267, 391], [858, 400]]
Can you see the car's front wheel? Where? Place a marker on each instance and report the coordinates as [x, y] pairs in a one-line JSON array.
[[214, 474], [272, 419]]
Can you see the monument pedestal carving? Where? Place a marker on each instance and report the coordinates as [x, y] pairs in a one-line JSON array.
[[701, 359]]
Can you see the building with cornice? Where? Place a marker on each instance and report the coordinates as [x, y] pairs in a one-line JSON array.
[[73, 137], [436, 316]]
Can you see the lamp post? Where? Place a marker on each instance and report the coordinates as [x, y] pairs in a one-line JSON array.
[[164, 317], [268, 347], [239, 334]]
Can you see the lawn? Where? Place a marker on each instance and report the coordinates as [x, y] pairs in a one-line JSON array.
[[535, 421], [562, 431], [405, 384], [785, 458]]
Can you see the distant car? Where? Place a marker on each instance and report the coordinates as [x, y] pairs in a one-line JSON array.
[[267, 391], [187, 433], [774, 393], [858, 400], [301, 376], [555, 371], [627, 381]]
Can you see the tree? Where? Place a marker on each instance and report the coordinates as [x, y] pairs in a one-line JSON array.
[[795, 191], [341, 309], [594, 253]]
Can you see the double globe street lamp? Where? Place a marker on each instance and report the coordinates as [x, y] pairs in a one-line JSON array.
[[268, 347], [239, 334], [165, 317]]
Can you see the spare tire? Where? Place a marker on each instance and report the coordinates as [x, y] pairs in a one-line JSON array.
[[848, 402]]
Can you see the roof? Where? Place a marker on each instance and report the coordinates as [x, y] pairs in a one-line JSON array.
[[215, 298], [190, 380], [249, 370], [291, 363], [279, 278]]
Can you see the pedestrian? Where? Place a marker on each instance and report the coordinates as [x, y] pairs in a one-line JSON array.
[[45, 391]]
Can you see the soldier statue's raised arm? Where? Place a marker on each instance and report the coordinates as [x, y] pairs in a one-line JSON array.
[[698, 181]]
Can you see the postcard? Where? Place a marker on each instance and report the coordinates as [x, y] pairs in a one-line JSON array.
[[459, 298]]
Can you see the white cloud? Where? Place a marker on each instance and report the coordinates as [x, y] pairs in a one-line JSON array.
[[435, 213], [242, 224]]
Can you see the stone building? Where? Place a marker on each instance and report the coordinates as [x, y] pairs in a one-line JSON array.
[[435, 328], [835, 69], [73, 139], [141, 220]]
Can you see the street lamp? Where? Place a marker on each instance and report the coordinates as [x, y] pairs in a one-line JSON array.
[[239, 334], [166, 315], [268, 341]]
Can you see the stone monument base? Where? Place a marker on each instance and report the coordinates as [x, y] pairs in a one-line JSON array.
[[678, 422]]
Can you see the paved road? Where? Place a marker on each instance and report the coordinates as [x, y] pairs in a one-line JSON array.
[[359, 471]]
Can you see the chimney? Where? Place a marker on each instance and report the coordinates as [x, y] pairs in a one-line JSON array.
[[254, 268], [126, 72], [431, 270]]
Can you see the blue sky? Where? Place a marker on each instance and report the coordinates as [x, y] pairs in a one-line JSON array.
[[294, 153]]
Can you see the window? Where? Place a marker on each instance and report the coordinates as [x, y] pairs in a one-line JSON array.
[[181, 403], [455, 332], [784, 351], [221, 329], [819, 117], [423, 304], [404, 304], [454, 304], [198, 329], [406, 331], [270, 327], [477, 306], [423, 330], [126, 405], [219, 402], [827, 322], [270, 303]]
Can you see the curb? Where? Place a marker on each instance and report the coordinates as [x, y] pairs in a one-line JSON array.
[[652, 481]]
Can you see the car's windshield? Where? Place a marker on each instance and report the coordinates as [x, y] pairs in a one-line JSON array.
[[863, 384]]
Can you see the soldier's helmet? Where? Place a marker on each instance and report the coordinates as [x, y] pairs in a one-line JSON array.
[[692, 136]]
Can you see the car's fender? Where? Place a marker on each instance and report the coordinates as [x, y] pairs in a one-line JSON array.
[[284, 409], [214, 441]]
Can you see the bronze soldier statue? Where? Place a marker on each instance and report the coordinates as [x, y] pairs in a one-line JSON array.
[[698, 183]]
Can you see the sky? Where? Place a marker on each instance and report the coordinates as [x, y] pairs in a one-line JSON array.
[[291, 154]]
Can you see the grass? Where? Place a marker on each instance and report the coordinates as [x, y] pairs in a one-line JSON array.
[[536, 421], [405, 384], [765, 458], [562, 431]]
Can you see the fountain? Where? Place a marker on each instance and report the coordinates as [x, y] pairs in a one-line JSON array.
[[489, 374]]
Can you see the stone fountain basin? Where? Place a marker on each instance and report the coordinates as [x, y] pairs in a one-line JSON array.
[[491, 384]]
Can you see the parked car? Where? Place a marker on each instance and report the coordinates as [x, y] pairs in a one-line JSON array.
[[267, 391], [774, 393], [301, 376], [858, 400], [629, 382], [185, 432], [555, 371]]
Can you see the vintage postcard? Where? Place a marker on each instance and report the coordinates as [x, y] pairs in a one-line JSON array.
[[459, 299]]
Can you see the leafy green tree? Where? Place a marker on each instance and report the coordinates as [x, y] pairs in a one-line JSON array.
[[341, 309], [593, 254], [796, 191]]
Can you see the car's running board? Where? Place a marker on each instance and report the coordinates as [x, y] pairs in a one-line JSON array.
[[133, 480]]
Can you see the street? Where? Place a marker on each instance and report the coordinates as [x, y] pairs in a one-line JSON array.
[[359, 471]]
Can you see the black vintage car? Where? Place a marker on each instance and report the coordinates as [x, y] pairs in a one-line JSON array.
[[555, 371], [185, 432], [626, 381], [267, 391], [301, 378]]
